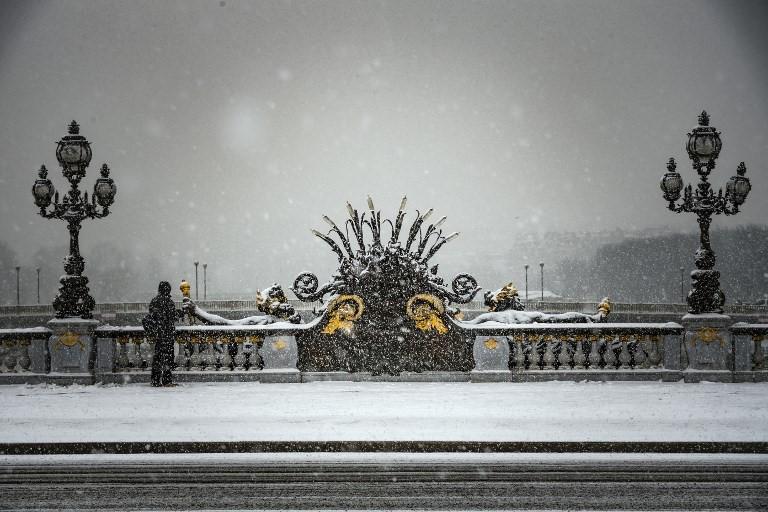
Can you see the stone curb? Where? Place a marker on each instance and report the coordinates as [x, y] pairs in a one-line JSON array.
[[80, 448]]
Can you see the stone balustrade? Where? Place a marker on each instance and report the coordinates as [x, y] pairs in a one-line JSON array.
[[23, 354], [749, 349], [579, 351], [269, 354]]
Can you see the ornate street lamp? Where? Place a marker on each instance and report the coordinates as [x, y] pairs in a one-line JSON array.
[[703, 149], [542, 280], [74, 154]]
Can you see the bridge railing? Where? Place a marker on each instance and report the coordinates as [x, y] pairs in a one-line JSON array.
[[581, 351], [502, 352]]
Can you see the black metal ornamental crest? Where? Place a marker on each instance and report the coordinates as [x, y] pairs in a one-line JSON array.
[[387, 308]]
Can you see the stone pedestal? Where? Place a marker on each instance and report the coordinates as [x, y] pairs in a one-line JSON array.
[[707, 347], [280, 355], [491, 355], [71, 347]]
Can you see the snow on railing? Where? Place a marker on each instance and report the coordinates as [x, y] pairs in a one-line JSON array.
[[475, 306]]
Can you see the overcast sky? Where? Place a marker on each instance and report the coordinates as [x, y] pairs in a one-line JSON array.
[[231, 126]]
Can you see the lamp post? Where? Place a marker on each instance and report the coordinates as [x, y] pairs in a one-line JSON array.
[[703, 149], [18, 286], [74, 154], [526, 282], [38, 284], [205, 281], [197, 296], [542, 280]]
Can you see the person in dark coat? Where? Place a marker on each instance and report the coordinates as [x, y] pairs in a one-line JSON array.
[[159, 325]]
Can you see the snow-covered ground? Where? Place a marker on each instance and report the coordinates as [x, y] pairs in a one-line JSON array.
[[331, 411]]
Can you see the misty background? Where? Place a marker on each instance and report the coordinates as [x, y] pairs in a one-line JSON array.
[[540, 128]]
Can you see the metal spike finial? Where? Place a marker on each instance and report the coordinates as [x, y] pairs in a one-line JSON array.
[[104, 170], [74, 128], [741, 170], [703, 118], [43, 172], [671, 165]]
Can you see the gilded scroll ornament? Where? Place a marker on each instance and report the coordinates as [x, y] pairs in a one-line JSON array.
[[342, 313], [491, 344], [425, 310]]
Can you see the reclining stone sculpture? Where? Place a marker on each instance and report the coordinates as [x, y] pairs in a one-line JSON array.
[[505, 307], [272, 302]]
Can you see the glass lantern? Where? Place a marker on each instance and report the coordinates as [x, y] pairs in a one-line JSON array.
[[104, 189], [43, 189]]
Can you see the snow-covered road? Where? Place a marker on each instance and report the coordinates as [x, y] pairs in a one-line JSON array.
[[339, 411]]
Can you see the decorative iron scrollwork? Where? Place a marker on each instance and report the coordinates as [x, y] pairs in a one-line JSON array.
[[388, 305], [376, 263]]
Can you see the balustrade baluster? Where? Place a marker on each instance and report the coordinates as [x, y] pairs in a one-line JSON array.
[[758, 356], [10, 359], [579, 358], [226, 358], [24, 361], [196, 360], [537, 351], [147, 352], [216, 352], [135, 354], [549, 356], [209, 358], [519, 353], [654, 357], [564, 356], [240, 356], [625, 358], [638, 356], [609, 356], [594, 352], [181, 354], [122, 358]]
